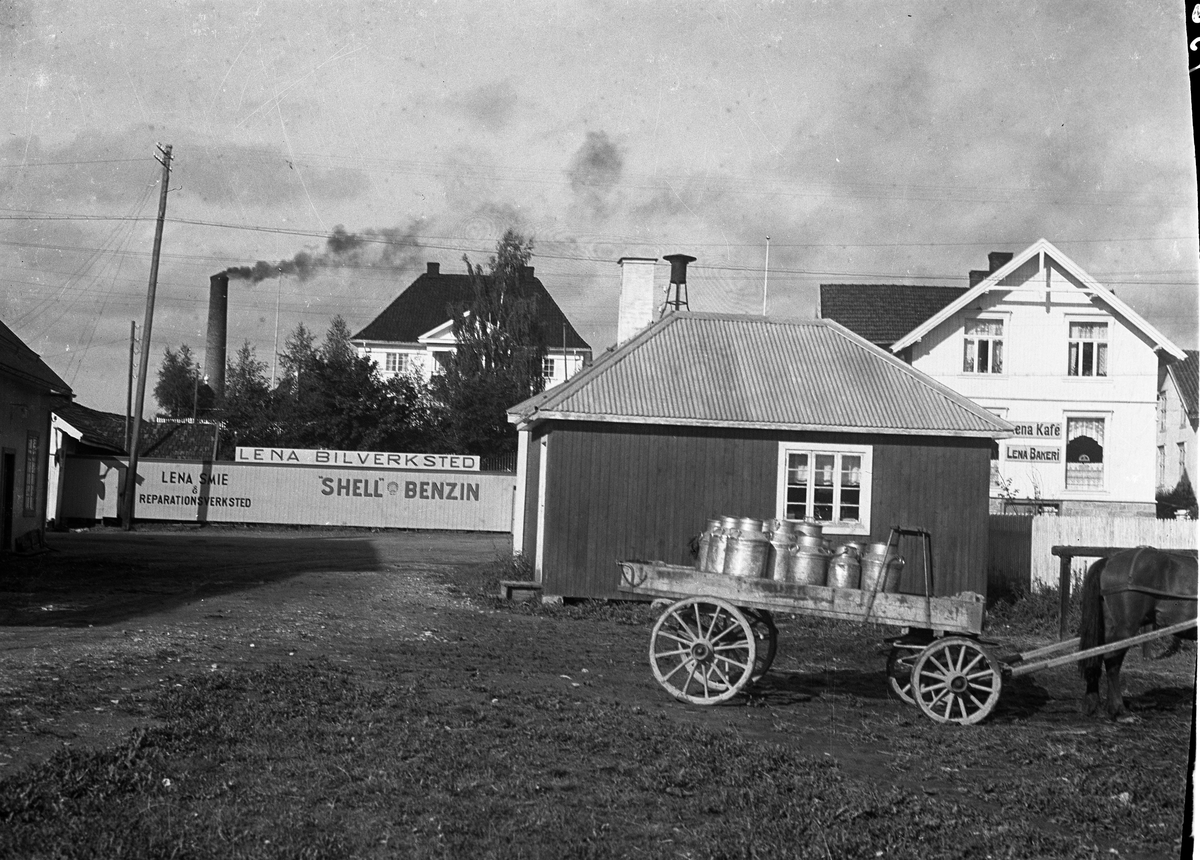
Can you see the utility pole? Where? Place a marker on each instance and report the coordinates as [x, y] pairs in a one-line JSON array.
[[766, 269], [129, 382], [143, 364]]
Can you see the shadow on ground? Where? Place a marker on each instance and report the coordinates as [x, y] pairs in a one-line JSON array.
[[112, 576]]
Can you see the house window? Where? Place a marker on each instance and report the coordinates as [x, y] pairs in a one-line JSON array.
[[983, 346], [1085, 454], [32, 458], [1087, 349], [441, 360], [826, 483], [1162, 411], [1162, 466], [548, 367], [1182, 446], [396, 362]]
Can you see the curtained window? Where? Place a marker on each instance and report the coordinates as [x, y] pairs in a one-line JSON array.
[[1087, 349], [1085, 454], [983, 346]]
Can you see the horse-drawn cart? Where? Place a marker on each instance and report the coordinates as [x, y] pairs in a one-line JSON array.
[[717, 636]]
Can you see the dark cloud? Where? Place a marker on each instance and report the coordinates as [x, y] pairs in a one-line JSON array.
[[375, 248], [595, 172], [490, 105]]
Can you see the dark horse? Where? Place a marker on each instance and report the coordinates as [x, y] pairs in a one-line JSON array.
[[1123, 592]]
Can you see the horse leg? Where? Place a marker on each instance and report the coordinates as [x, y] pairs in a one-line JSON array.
[[1091, 696], [1112, 669]]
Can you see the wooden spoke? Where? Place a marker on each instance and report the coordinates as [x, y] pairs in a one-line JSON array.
[[899, 671], [953, 680], [703, 650]]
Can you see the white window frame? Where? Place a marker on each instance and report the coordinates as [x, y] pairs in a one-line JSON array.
[[866, 471], [1181, 447], [1096, 342], [401, 360], [971, 341], [1161, 470], [1106, 417]]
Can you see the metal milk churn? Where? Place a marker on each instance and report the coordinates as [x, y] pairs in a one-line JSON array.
[[809, 561], [782, 540], [704, 556], [717, 544], [746, 549], [845, 569]]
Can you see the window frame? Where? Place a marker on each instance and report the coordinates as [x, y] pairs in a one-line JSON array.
[[1106, 341], [1106, 417], [1003, 321], [33, 456], [866, 472]]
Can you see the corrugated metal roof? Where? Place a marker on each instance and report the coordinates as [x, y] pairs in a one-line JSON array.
[[1187, 379], [736, 371]]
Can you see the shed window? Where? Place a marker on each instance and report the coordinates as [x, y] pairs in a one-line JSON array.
[[1087, 349], [829, 484], [983, 346]]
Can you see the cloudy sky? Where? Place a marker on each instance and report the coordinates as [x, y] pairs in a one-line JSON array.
[[882, 142]]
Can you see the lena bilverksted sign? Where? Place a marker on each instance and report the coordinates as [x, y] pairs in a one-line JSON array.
[[357, 459]]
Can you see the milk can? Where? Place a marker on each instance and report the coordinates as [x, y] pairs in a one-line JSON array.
[[717, 544], [746, 550], [704, 556], [779, 558], [845, 570], [873, 561], [808, 563]]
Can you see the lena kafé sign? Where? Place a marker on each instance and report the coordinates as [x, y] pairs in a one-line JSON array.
[[1033, 454], [1038, 429], [358, 459]]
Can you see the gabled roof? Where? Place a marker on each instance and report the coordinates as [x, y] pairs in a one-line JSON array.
[[883, 313], [993, 281], [1186, 374], [429, 300], [718, 370], [166, 440], [19, 361]]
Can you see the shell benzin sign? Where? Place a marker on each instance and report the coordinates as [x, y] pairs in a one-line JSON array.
[[319, 492]]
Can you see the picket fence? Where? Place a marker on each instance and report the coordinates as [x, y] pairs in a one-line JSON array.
[[1019, 547]]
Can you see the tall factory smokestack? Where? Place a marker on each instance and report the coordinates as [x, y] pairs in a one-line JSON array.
[[218, 321]]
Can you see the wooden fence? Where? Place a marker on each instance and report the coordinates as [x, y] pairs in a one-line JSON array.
[[1019, 547]]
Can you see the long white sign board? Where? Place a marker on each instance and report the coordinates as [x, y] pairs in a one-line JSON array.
[[357, 459], [197, 491]]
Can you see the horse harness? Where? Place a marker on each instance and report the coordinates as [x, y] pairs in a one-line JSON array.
[[1159, 582]]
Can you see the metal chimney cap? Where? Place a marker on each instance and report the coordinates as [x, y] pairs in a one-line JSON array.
[[679, 267]]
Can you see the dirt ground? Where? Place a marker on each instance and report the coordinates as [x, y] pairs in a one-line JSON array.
[[132, 613]]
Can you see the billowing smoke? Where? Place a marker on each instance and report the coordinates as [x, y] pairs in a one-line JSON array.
[[385, 248], [595, 171]]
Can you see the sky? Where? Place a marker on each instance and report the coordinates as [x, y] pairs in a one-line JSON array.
[[872, 142]]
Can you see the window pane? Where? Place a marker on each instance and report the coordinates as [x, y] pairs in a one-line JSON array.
[[998, 357], [1102, 359], [798, 469], [1072, 359], [823, 470], [983, 364], [851, 471], [992, 328], [969, 356]]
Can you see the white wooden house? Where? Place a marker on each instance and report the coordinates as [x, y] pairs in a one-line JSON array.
[[415, 333], [1038, 342], [1177, 419]]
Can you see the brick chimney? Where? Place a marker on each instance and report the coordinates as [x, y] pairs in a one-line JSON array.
[[218, 323], [636, 304], [433, 268], [996, 260]]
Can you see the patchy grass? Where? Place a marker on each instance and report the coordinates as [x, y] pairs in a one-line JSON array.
[[319, 761], [1033, 613]]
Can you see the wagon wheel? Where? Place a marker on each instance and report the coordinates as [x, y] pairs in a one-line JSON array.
[[766, 638], [702, 650], [899, 671], [955, 680]]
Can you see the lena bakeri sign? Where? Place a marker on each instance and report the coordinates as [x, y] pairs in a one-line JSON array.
[[358, 459]]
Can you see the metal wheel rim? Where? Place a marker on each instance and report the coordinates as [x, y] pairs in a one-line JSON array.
[[702, 650], [955, 680], [766, 637], [900, 679]]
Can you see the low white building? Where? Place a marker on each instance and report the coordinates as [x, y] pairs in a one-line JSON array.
[[415, 333], [1177, 419], [1038, 342]]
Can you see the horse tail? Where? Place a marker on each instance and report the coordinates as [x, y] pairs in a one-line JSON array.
[[1091, 622]]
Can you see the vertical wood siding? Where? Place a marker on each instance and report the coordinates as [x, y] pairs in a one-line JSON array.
[[621, 491]]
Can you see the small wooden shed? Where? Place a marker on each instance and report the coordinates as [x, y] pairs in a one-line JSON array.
[[701, 415]]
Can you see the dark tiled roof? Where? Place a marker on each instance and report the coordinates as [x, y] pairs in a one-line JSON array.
[[732, 371], [428, 302], [1187, 379], [166, 440], [18, 360], [883, 313]]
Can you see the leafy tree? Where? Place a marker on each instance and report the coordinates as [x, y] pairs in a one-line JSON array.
[[1182, 497], [247, 408], [498, 360], [180, 391]]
